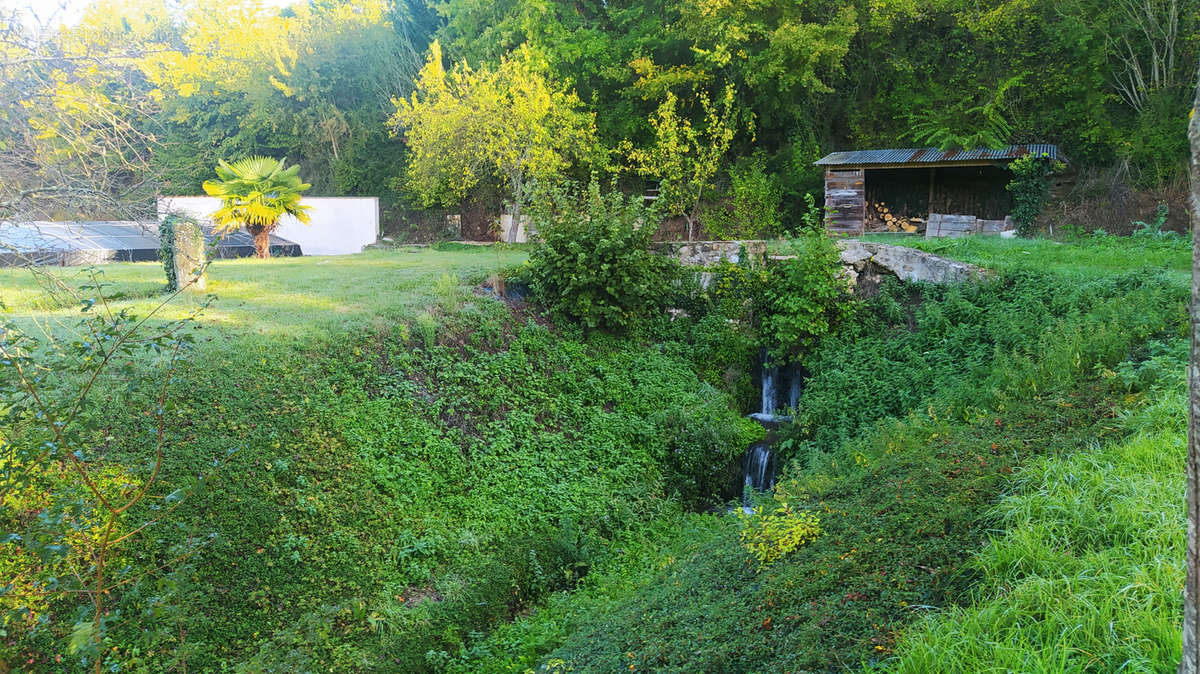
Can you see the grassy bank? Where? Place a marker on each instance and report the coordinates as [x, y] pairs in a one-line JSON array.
[[939, 404], [406, 475], [1085, 567], [392, 463]]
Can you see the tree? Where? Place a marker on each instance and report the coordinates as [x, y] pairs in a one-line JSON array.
[[510, 124], [684, 158], [255, 193], [1191, 591], [74, 113]]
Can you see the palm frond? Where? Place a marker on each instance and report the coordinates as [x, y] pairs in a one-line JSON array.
[[256, 191]]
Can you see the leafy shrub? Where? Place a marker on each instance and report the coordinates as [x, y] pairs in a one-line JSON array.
[[1030, 186], [166, 250], [736, 290], [770, 536], [1147, 230], [721, 352], [751, 207], [72, 523], [812, 218], [594, 264], [702, 448], [806, 297], [1160, 363]]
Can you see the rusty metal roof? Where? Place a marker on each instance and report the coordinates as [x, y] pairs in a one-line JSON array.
[[932, 155]]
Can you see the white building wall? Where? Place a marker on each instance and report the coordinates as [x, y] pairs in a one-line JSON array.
[[340, 225]]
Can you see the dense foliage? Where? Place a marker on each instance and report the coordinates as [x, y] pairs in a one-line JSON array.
[[1030, 186], [751, 209], [806, 298], [594, 264], [509, 126], [166, 249], [177, 86], [927, 407], [394, 487]]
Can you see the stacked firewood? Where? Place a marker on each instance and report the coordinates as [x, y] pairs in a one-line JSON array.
[[883, 217]]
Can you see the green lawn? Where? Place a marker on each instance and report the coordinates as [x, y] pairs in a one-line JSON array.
[[1077, 259], [282, 297]]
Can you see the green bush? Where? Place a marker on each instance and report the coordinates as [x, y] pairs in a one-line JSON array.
[[750, 209], [702, 449], [594, 264], [768, 536], [805, 299], [1030, 186]]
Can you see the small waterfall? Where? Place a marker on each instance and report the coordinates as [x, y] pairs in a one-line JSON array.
[[781, 388], [759, 469], [777, 381], [769, 375], [758, 472]]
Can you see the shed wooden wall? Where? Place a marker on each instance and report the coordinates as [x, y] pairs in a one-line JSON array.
[[845, 202]]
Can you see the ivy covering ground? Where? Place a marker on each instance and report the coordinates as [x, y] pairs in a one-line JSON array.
[[423, 479]]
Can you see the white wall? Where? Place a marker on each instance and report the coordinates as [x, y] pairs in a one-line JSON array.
[[340, 225]]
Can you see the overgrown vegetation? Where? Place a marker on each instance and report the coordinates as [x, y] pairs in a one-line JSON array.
[[1030, 186], [913, 422], [431, 480], [315, 82], [752, 206], [1092, 543], [394, 488], [594, 264]]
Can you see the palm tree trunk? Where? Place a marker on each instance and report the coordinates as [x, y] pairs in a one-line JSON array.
[[1190, 664], [262, 240]]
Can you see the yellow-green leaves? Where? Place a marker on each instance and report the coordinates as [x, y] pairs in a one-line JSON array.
[[684, 158], [770, 536], [256, 191], [508, 125]]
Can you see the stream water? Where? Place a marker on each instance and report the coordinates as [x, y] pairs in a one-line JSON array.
[[780, 391]]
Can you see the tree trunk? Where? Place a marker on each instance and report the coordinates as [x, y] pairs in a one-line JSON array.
[[1190, 664], [262, 240], [516, 223]]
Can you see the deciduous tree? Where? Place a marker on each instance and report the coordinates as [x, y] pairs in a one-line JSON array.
[[683, 158], [512, 124]]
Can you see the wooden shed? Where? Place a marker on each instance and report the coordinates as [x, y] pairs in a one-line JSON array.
[[864, 187]]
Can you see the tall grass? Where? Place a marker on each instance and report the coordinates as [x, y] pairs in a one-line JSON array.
[[1085, 571]]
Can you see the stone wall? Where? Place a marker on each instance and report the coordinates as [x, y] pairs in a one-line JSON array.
[[867, 263], [709, 253]]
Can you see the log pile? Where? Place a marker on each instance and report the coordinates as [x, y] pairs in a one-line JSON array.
[[880, 218]]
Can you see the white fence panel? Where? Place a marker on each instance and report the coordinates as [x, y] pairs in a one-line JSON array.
[[340, 225]]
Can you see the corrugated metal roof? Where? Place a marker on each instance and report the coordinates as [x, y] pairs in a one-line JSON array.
[[930, 155]]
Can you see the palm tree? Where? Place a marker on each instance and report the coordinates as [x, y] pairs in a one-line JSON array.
[[255, 192]]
